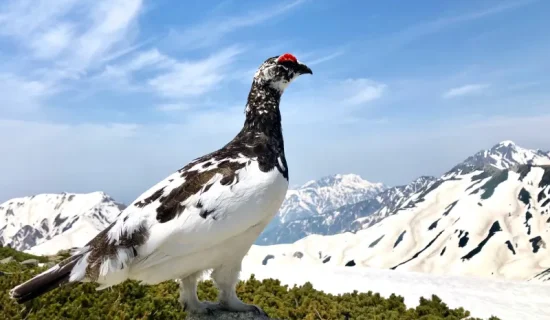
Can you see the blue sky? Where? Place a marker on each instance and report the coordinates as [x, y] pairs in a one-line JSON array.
[[115, 95]]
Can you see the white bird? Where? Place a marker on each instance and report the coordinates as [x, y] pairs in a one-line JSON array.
[[203, 217]]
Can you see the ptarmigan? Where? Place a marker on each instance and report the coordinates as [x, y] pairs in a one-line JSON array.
[[203, 217]]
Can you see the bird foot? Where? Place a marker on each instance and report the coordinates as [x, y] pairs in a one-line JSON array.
[[205, 307], [239, 306]]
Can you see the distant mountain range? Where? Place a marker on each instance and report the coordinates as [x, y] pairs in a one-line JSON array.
[[347, 217], [487, 216], [47, 223]]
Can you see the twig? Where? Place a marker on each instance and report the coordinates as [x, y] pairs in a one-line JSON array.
[[317, 312]]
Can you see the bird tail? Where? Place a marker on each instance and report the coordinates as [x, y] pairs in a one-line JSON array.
[[48, 280]]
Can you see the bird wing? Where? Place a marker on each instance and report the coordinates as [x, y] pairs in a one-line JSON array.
[[206, 203]]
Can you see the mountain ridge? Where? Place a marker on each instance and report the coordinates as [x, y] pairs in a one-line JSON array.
[[42, 222], [481, 218]]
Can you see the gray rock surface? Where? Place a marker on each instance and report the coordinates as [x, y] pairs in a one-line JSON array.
[[224, 315], [6, 260], [30, 261]]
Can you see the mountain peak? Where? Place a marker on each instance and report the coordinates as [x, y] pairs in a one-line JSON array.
[[504, 155], [348, 179], [327, 193], [507, 143]]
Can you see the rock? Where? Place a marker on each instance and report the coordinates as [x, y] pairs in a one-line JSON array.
[[224, 315], [30, 261], [6, 260]]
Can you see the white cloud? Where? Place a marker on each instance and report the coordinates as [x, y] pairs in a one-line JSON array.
[[75, 32], [52, 42], [168, 78], [57, 44], [210, 31], [111, 26], [20, 94], [188, 79], [363, 91], [465, 90]]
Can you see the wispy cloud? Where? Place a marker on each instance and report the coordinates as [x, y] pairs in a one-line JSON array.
[[170, 79], [424, 28], [74, 33], [187, 79], [207, 33], [465, 90], [337, 100], [21, 95], [326, 58], [56, 44], [363, 90]]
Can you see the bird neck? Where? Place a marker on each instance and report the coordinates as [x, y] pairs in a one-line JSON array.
[[262, 111]]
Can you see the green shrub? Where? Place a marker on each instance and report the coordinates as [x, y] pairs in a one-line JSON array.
[[130, 300]]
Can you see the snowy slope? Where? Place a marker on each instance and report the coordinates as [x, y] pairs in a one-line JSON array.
[[508, 300], [481, 221], [345, 218], [47, 223]]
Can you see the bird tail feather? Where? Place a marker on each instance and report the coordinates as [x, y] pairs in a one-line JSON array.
[[48, 280]]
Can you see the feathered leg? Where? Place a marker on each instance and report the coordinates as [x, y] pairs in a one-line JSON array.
[[188, 296], [226, 278]]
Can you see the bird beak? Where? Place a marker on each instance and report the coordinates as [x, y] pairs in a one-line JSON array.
[[303, 69]]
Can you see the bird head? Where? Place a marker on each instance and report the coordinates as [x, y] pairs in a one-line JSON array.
[[279, 71]]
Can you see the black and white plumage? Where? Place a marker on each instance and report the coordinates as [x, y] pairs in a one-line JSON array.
[[203, 217]]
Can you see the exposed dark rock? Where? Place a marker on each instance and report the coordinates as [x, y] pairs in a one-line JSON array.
[[494, 229], [510, 246], [463, 240], [449, 208], [375, 242], [400, 238], [528, 217], [537, 243], [434, 224], [524, 196], [266, 259], [523, 171], [490, 186], [58, 220], [419, 252]]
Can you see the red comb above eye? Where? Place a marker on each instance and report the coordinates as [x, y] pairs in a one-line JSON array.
[[287, 57]]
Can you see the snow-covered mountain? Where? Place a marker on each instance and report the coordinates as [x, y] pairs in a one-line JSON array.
[[504, 155], [487, 217], [343, 219], [312, 200], [47, 223], [327, 193]]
